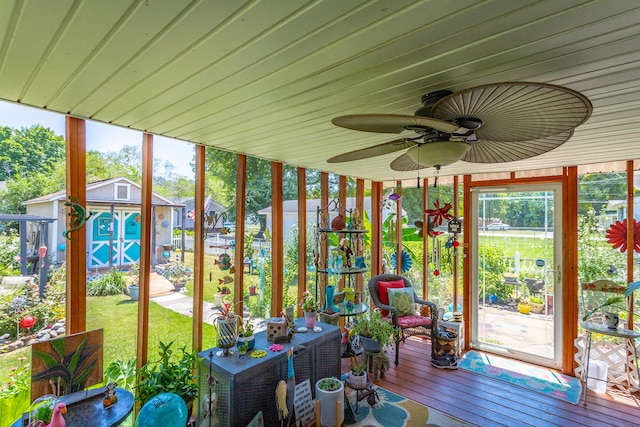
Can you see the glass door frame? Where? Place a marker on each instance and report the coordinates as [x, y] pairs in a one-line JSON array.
[[552, 272]]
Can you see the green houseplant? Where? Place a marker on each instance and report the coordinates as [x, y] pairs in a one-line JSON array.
[[172, 372], [375, 328]]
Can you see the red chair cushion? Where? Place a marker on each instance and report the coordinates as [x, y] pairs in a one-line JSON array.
[[383, 291], [413, 320]]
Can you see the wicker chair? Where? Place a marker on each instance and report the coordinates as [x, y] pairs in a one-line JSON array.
[[424, 322]]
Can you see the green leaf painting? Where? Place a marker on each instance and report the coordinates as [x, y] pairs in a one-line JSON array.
[[66, 365]]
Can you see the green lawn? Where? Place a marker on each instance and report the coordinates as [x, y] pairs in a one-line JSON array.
[[118, 317]]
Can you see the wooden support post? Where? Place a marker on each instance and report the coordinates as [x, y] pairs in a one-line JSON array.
[[241, 198], [76, 305], [198, 249], [145, 250], [302, 235], [277, 240]]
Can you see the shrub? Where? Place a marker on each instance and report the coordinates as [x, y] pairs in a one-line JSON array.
[[25, 301], [9, 260], [112, 283]]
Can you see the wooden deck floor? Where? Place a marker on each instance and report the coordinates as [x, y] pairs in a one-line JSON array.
[[484, 402]]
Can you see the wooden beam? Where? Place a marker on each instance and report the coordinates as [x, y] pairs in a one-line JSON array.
[[376, 228], [277, 240], [342, 197], [359, 251], [425, 239], [241, 198], [569, 269], [198, 249], [324, 246], [302, 235], [466, 262], [76, 177], [399, 230], [454, 305], [145, 250], [630, 238]]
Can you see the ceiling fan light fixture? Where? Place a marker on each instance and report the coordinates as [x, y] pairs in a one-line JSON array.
[[440, 153]]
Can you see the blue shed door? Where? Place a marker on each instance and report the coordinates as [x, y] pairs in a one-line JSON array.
[[125, 246]]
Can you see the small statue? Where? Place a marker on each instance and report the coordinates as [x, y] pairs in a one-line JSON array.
[[348, 253], [110, 397]]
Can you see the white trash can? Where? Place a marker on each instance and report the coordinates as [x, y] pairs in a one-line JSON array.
[[597, 380]]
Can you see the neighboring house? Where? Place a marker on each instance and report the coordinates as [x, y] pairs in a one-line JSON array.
[[189, 205], [290, 212], [114, 223]]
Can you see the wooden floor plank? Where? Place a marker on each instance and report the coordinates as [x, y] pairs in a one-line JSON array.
[[483, 401]]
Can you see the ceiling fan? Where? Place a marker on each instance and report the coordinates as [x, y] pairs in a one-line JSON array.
[[493, 123]]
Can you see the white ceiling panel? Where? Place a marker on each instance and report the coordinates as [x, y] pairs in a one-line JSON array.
[[265, 77]]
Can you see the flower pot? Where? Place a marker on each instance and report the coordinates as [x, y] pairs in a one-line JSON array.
[[611, 319], [227, 331], [536, 308], [133, 292], [250, 340], [310, 319], [328, 404], [358, 382], [524, 308], [330, 318], [370, 345]]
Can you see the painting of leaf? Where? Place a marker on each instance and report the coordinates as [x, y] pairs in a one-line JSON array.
[[68, 364]]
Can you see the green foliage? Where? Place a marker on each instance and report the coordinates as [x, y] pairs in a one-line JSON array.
[[26, 151], [375, 327], [492, 271], [9, 260], [170, 373], [329, 384], [121, 372], [19, 380], [595, 256], [359, 367], [24, 301], [111, 283], [609, 302]]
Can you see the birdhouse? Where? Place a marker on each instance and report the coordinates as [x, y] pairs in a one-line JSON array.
[[454, 226]]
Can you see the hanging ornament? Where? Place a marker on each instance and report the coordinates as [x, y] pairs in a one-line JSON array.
[[436, 272], [617, 235], [439, 214], [223, 262], [396, 194]]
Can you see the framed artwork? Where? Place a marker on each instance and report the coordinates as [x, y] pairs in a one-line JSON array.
[[65, 365]]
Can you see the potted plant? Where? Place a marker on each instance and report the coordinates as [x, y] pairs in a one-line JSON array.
[[310, 307], [246, 338], [358, 374], [172, 372], [537, 306], [374, 331], [524, 307], [226, 324], [134, 280], [330, 391]]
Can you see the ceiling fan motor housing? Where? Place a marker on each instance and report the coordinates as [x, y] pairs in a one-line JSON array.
[[429, 100]]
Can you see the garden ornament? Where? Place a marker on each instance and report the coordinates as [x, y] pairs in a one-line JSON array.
[[77, 216]]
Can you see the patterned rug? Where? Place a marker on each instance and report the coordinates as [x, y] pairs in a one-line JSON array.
[[392, 410], [542, 380]]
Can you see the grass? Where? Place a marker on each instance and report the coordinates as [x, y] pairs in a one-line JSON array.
[[213, 271], [118, 317]]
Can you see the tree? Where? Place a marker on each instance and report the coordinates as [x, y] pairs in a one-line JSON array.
[[27, 150]]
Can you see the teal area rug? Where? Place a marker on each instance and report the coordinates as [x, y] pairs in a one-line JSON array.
[[393, 410], [542, 380]]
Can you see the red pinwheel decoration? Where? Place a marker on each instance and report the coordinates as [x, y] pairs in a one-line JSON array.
[[439, 214], [617, 235]]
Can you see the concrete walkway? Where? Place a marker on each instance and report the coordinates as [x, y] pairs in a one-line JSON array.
[[183, 304]]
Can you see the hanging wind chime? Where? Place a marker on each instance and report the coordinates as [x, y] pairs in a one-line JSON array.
[[435, 218]]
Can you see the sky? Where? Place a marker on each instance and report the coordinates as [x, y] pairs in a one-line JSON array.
[[100, 136]]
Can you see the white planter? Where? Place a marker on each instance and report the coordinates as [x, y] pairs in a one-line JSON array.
[[328, 405]]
